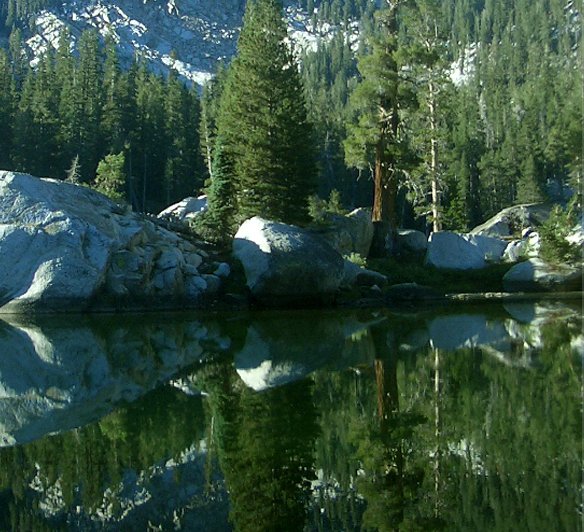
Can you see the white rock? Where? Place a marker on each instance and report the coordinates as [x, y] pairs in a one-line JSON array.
[[453, 251], [73, 245], [536, 275], [285, 262], [187, 208]]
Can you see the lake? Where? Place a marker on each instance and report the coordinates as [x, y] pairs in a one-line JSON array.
[[440, 418]]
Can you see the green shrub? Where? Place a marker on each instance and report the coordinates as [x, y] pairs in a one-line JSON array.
[[319, 208], [554, 246], [357, 259]]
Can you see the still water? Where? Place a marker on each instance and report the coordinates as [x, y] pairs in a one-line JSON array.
[[458, 418]]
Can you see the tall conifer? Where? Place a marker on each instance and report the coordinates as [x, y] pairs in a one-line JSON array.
[[263, 121], [374, 138]]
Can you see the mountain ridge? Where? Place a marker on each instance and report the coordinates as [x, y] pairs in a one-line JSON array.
[[189, 36]]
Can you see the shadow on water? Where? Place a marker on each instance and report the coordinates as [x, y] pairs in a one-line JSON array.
[[451, 419]]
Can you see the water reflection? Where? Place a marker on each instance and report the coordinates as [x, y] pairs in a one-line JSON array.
[[459, 420]]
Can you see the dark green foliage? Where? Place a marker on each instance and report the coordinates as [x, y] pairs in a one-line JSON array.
[[319, 208], [111, 177], [7, 109], [263, 121], [83, 107], [87, 461], [404, 270], [509, 132], [217, 224], [15, 12], [265, 448], [376, 137], [210, 98], [554, 246]]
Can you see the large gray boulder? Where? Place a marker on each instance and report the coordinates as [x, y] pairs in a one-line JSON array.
[[513, 220], [535, 275], [455, 251], [186, 209], [410, 241], [67, 247], [286, 264], [349, 234]]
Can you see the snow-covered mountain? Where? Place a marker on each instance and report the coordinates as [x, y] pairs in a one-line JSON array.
[[190, 36]]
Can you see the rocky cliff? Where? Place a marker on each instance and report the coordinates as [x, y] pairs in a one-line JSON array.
[[66, 247]]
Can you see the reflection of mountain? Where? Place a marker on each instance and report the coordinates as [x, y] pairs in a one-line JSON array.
[[145, 463]]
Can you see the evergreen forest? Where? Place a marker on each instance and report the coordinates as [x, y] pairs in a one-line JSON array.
[[438, 113]]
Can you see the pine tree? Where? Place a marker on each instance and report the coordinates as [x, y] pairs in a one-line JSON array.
[[89, 75], [111, 177], [7, 110], [69, 106], [263, 121], [74, 171], [114, 115], [427, 60], [210, 99], [218, 223], [375, 137]]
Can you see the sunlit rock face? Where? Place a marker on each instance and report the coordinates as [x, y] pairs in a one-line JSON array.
[[348, 234], [534, 275], [66, 247], [185, 210], [512, 221], [188, 36], [456, 251], [58, 376], [285, 264]]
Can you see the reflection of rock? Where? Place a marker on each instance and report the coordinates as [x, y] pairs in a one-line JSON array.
[[55, 378], [286, 347], [465, 330]]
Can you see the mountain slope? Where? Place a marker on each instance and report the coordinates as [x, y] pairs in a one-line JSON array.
[[190, 36]]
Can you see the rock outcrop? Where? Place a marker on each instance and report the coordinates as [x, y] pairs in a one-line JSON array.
[[349, 234], [411, 242], [284, 264], [455, 251], [535, 275], [185, 210], [66, 247], [512, 221]]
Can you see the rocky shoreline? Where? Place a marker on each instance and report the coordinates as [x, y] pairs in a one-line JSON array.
[[67, 248]]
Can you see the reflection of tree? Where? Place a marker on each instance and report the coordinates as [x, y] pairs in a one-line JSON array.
[[391, 478], [266, 449], [508, 439], [82, 464]]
